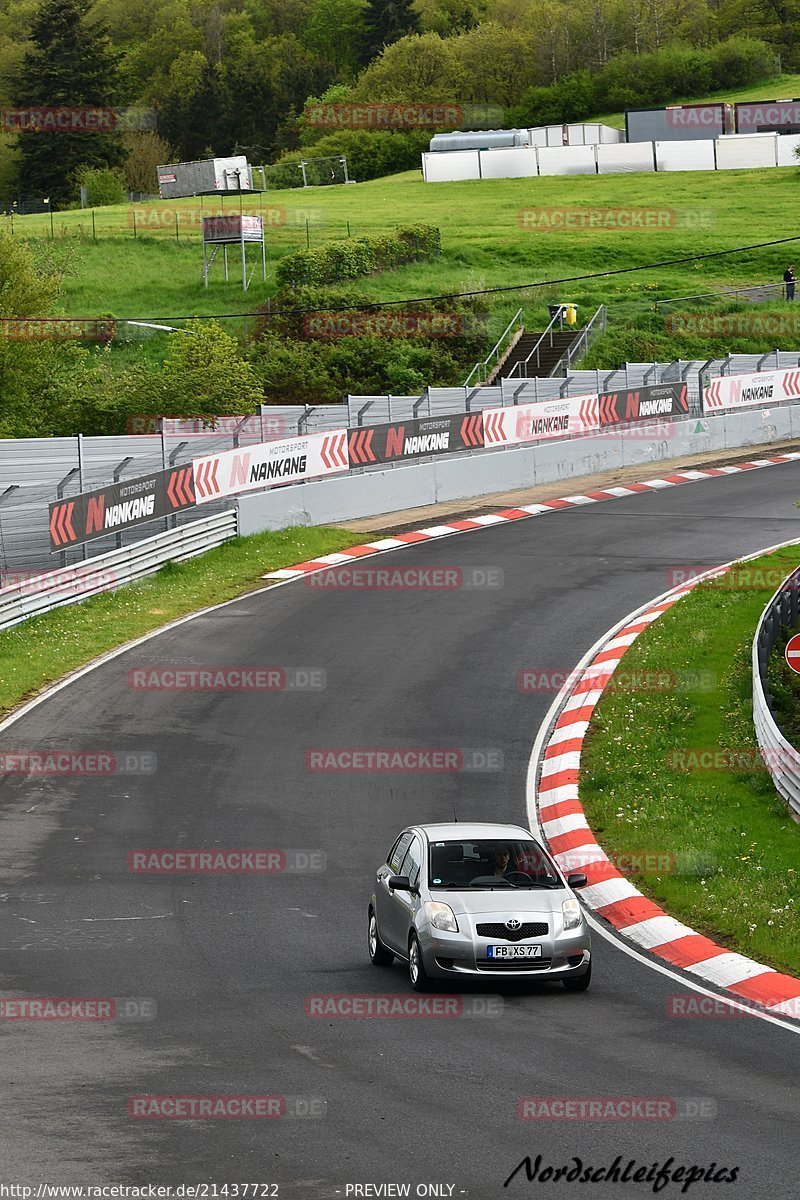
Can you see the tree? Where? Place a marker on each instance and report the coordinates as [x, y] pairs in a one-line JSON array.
[[422, 67], [203, 374], [70, 64], [447, 16], [145, 152], [333, 30], [40, 379], [386, 21]]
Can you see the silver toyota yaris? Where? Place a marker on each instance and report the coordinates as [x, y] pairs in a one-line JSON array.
[[474, 900]]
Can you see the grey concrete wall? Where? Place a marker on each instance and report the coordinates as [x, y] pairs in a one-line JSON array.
[[467, 476]]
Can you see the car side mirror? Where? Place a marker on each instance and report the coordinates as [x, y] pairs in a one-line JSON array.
[[399, 883], [577, 879]]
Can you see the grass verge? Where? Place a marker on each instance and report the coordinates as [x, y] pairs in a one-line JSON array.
[[45, 649], [641, 799]]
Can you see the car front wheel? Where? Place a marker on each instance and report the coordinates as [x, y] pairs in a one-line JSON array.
[[416, 967], [578, 983], [381, 957]]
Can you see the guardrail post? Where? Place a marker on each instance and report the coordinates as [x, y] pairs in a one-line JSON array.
[[60, 496], [82, 487], [117, 472], [3, 497]]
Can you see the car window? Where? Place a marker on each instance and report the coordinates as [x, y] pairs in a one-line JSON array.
[[412, 863], [457, 864], [398, 852]]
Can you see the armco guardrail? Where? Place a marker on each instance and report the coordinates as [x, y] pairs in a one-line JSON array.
[[781, 758], [31, 595]]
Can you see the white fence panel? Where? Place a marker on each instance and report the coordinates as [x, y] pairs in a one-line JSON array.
[[625, 157], [448, 165], [513, 163], [738, 151], [685, 156], [567, 160], [787, 144]]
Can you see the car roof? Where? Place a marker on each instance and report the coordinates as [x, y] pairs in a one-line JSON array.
[[463, 830]]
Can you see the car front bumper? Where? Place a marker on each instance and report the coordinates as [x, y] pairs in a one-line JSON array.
[[449, 954]]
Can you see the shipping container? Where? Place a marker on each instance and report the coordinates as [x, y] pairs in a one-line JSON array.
[[678, 122], [204, 178], [768, 116]]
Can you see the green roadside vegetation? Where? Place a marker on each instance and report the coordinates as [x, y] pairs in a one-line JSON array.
[[45, 649], [645, 791], [495, 233]]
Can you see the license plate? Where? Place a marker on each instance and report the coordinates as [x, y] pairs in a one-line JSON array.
[[514, 952]]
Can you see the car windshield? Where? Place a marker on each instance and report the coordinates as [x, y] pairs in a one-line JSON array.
[[491, 863]]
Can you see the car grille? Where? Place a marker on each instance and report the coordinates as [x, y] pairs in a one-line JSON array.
[[513, 964], [498, 930]]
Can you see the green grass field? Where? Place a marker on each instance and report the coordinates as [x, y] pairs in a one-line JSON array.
[[640, 801], [486, 242]]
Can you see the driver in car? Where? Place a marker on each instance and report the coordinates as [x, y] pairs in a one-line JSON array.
[[500, 858]]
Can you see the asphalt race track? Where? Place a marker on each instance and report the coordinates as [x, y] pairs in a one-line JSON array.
[[230, 959]]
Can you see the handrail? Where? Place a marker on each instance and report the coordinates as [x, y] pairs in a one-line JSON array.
[[557, 316], [495, 349], [582, 344], [740, 291]]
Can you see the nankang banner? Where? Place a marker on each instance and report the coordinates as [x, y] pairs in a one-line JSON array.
[[643, 403], [748, 391], [414, 439], [269, 463], [119, 506], [560, 417]]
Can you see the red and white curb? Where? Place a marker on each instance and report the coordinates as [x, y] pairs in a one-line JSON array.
[[555, 806], [518, 514]]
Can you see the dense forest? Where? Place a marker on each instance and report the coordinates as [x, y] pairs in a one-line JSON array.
[[224, 76]]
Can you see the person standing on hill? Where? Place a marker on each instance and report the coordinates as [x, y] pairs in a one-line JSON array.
[[789, 278]]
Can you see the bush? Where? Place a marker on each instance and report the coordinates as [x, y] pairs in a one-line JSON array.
[[370, 153], [102, 187], [643, 80], [741, 61], [357, 257]]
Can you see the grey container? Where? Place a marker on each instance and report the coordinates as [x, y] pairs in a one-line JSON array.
[[678, 123], [767, 116], [204, 178]]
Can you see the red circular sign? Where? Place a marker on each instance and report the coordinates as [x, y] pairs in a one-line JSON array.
[[793, 652]]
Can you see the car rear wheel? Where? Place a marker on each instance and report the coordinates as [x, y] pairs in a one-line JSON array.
[[578, 983], [381, 957], [416, 967]]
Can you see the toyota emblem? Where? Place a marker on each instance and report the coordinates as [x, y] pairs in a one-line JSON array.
[[513, 923]]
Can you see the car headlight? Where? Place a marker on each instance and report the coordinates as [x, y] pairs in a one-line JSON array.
[[441, 916], [571, 913]]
